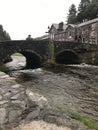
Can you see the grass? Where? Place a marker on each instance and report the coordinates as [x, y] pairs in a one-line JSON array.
[[17, 54], [50, 65], [60, 108], [85, 120]]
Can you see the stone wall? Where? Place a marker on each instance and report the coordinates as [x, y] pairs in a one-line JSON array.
[[37, 52]]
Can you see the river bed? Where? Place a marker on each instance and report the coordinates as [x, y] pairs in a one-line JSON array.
[[75, 89]]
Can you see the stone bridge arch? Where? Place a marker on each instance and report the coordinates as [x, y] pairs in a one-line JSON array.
[[33, 60], [67, 57], [35, 51]]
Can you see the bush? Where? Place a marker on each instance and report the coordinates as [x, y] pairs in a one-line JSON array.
[[3, 68]]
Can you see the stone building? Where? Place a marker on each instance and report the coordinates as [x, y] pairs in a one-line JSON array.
[[86, 32], [70, 32], [57, 32]]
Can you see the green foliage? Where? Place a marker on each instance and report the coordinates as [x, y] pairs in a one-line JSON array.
[[17, 54], [3, 68], [72, 15], [60, 108], [85, 120], [87, 10], [92, 10], [51, 50], [82, 10], [50, 64], [56, 68], [3, 34], [83, 5]]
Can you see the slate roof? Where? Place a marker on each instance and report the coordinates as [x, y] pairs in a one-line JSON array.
[[88, 22], [57, 26], [65, 26]]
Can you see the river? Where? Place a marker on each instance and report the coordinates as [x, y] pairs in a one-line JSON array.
[[75, 89]]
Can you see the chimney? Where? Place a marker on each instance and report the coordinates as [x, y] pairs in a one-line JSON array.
[[61, 24]]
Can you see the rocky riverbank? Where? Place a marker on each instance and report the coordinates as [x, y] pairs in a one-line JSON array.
[[19, 104], [31, 98], [76, 89]]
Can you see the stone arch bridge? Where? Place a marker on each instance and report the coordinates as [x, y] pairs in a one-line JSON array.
[[38, 52]]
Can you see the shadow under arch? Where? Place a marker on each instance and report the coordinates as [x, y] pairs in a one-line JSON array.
[[33, 60], [67, 57]]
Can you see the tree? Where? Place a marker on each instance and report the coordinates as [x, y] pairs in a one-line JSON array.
[[94, 1], [83, 5], [82, 10], [1, 28], [71, 18], [3, 34], [6, 35], [87, 10], [92, 10]]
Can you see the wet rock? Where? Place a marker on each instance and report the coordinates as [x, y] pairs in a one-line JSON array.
[[21, 104], [7, 95], [15, 97], [4, 76], [16, 86], [0, 97], [36, 99], [13, 115], [33, 115], [2, 116], [19, 96], [3, 102]]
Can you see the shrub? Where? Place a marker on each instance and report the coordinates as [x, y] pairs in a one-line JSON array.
[[3, 68]]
